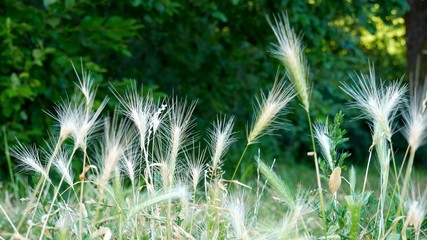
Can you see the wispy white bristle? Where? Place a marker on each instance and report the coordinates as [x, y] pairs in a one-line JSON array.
[[28, 157], [129, 164], [238, 216], [378, 102], [117, 139], [221, 137], [321, 132], [290, 51], [269, 108], [180, 128], [415, 118], [61, 165]]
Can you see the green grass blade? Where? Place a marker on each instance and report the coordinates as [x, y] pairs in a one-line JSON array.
[[282, 189]]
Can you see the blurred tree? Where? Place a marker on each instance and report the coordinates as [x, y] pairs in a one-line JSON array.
[[416, 38]]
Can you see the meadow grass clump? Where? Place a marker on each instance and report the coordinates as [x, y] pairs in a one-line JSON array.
[[143, 172]]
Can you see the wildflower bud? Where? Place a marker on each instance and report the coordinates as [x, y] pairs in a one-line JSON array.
[[335, 180]]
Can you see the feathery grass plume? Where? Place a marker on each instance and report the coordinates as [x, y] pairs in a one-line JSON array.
[[286, 228], [303, 207], [321, 131], [129, 163], [86, 121], [118, 135], [68, 116], [88, 124], [85, 84], [221, 137], [139, 109], [378, 102], [284, 191], [60, 164], [180, 128], [416, 211], [415, 118], [195, 166], [77, 120], [290, 51], [269, 109], [28, 159], [238, 216]]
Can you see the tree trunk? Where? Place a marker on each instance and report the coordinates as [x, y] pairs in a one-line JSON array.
[[416, 41]]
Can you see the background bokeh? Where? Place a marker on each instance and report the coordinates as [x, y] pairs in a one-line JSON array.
[[213, 51]]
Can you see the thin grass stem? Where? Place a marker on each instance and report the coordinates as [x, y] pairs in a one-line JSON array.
[[40, 186], [10, 221], [238, 164], [81, 193], [319, 183], [56, 193], [367, 171]]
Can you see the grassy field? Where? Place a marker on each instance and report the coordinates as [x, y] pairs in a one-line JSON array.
[[144, 175]]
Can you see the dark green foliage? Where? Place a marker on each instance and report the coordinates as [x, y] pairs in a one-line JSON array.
[[215, 51]]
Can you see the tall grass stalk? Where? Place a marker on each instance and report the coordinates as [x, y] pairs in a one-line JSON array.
[[39, 188], [268, 110], [290, 52], [383, 154], [238, 163], [407, 174], [55, 195], [319, 183]]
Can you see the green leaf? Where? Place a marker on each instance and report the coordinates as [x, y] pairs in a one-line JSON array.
[[53, 21], [46, 3], [220, 16]]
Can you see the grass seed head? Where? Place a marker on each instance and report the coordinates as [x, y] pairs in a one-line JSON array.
[[64, 169], [269, 109], [221, 137], [290, 51], [415, 118], [129, 163], [238, 216], [321, 132], [118, 136], [417, 208], [195, 166], [378, 102], [28, 159]]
